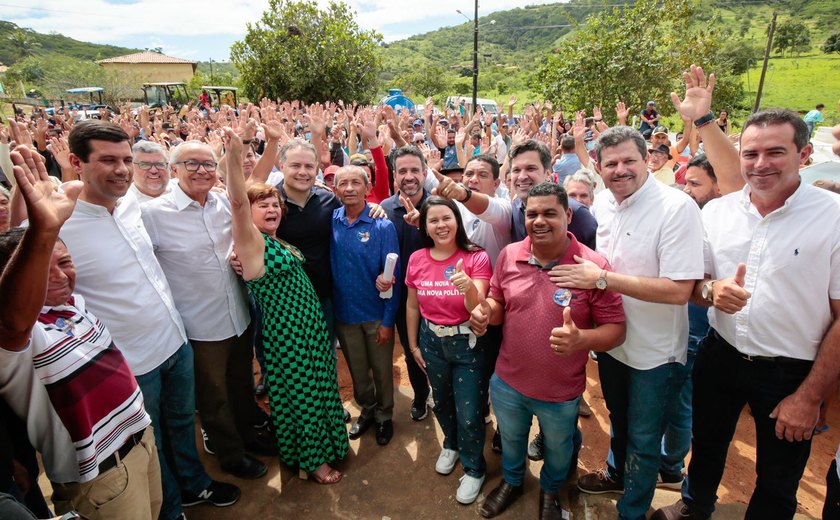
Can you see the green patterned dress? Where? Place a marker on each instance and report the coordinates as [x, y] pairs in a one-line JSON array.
[[306, 408]]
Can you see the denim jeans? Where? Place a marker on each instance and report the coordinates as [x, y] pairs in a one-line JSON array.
[[558, 423], [638, 401], [723, 383], [455, 371], [169, 398]]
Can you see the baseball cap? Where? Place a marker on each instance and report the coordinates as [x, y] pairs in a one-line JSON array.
[[330, 171], [418, 122], [651, 103], [660, 130], [662, 149]]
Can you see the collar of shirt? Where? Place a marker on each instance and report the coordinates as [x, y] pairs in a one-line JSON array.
[[92, 210], [418, 205], [364, 216], [748, 206], [183, 201], [637, 196], [525, 255], [282, 188]]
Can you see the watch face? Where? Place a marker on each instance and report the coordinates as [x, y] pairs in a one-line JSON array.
[[600, 283]]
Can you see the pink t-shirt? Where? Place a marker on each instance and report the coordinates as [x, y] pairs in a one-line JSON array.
[[440, 302], [533, 306]]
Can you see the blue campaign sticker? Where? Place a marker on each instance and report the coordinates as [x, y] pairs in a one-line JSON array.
[[563, 297], [449, 271], [475, 224], [363, 236]]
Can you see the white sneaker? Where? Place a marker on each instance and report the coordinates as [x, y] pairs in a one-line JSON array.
[[446, 461], [469, 488]]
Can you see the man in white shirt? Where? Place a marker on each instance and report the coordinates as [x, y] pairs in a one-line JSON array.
[[151, 171], [780, 238], [117, 272], [190, 228], [652, 235]]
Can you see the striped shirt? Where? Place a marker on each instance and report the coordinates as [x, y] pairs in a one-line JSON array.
[[75, 390]]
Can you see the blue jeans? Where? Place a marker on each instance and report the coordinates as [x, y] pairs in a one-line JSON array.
[[558, 423], [169, 397], [638, 401], [455, 372]]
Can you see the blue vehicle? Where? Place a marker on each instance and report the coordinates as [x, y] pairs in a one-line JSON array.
[[398, 101]]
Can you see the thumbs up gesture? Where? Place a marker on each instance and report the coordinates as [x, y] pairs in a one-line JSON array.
[[565, 340], [729, 294], [480, 318], [460, 279]]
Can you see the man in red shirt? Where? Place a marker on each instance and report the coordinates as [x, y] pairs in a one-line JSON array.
[[548, 333]]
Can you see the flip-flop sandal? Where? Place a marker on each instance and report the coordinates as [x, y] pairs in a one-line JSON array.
[[821, 429], [333, 476]]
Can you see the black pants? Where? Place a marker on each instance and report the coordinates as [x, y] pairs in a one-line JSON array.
[[416, 376], [723, 383], [831, 510]]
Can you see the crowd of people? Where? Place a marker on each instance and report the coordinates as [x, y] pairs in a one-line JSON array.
[[150, 256]]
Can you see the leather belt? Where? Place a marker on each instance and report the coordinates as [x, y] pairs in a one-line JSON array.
[[761, 359], [111, 462], [448, 331]]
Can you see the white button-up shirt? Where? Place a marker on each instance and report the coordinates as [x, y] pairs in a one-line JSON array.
[[793, 269], [122, 282], [657, 232], [193, 244]]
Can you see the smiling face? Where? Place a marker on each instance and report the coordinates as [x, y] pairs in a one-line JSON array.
[[299, 169], [62, 276], [441, 225], [249, 160], [198, 183], [409, 175], [478, 176], [107, 172], [526, 171], [700, 186], [150, 173], [770, 162], [266, 214], [656, 160], [546, 221], [623, 169]]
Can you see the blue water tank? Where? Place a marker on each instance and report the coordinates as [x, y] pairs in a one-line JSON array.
[[397, 100]]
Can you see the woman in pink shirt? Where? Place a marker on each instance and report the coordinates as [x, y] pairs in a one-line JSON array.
[[446, 280]]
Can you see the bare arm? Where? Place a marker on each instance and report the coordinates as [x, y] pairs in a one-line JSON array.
[[412, 325]]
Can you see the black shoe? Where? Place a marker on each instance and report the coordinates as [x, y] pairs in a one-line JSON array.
[[499, 499], [208, 447], [261, 389], [346, 416], [247, 467], [535, 447], [496, 444], [360, 427], [220, 494], [678, 511], [419, 410], [263, 443], [384, 432], [550, 506]]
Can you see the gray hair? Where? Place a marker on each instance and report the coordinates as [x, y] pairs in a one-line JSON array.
[[5, 193], [148, 147], [582, 176], [617, 135], [178, 150], [297, 144], [352, 169]]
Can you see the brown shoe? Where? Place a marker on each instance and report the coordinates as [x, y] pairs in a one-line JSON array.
[[499, 499], [678, 511], [599, 482], [550, 506], [584, 410]]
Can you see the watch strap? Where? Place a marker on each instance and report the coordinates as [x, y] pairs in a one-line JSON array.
[[703, 121]]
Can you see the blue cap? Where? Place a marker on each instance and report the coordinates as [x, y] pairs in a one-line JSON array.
[[418, 122]]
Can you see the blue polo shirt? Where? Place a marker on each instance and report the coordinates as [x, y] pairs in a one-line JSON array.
[[357, 257], [583, 226]]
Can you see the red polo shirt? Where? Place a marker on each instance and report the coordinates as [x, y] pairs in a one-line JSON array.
[[533, 306]]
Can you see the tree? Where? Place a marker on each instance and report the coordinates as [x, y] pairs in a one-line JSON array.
[[298, 51], [424, 81], [792, 36], [832, 44], [633, 54], [23, 42]]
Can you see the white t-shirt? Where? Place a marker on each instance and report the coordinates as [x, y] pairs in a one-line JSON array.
[[793, 269], [491, 229], [657, 232]]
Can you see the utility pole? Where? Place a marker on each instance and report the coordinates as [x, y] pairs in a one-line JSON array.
[[211, 72], [475, 60], [764, 67]]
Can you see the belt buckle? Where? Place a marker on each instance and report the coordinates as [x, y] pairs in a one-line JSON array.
[[439, 331]]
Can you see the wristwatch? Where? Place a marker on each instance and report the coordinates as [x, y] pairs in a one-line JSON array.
[[708, 118], [601, 283], [469, 192], [708, 291]]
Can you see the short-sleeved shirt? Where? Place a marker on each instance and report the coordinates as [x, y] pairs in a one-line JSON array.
[[441, 302], [491, 229], [75, 391], [533, 306], [308, 228], [583, 225], [793, 268], [657, 232]]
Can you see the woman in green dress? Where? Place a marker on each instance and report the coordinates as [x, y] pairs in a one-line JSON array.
[[306, 408]]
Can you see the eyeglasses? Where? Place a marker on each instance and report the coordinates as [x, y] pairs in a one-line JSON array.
[[419, 141], [143, 165], [193, 166]]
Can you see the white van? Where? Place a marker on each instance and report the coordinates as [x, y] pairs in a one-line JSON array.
[[489, 106]]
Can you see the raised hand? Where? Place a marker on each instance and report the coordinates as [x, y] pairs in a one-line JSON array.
[[729, 294], [20, 134], [622, 112], [60, 151], [412, 214], [480, 318], [596, 113], [566, 339], [512, 101], [47, 209], [698, 94]]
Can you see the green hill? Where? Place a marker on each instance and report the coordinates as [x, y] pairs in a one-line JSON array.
[[56, 44]]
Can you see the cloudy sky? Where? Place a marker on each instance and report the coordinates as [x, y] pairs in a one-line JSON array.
[[204, 29]]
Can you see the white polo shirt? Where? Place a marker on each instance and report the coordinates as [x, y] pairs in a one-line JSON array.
[[657, 232], [491, 229], [193, 245], [793, 269], [123, 284]]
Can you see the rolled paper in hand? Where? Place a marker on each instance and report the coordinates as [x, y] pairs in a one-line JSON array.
[[388, 274]]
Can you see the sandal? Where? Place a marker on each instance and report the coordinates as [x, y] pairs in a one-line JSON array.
[[333, 476], [821, 429]]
